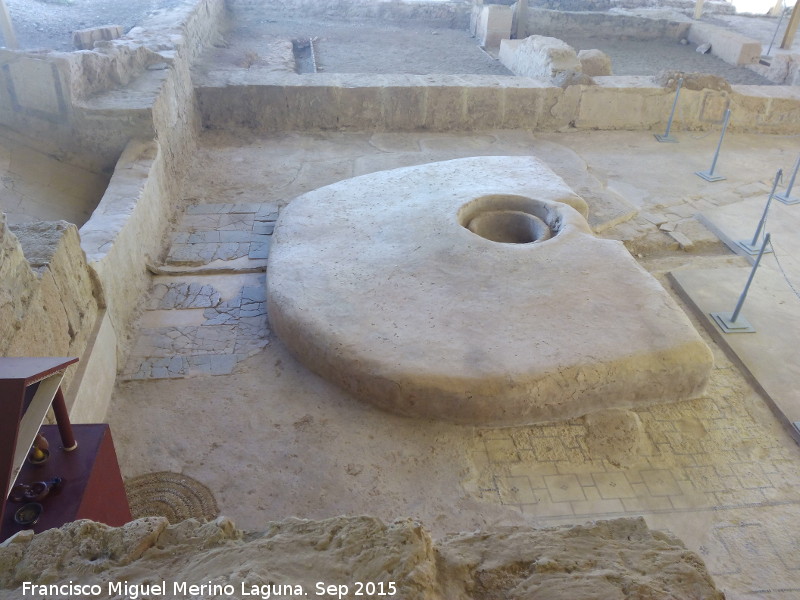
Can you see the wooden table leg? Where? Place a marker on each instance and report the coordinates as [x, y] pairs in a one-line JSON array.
[[62, 419]]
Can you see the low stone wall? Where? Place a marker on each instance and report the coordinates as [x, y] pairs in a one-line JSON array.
[[286, 102], [559, 24], [454, 13], [126, 228]]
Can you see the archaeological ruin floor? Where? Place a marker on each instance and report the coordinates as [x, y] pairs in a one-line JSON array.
[[210, 392], [176, 150]]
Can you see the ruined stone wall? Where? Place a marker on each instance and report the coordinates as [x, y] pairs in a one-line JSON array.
[[68, 104], [49, 300], [454, 13], [683, 6], [126, 232], [354, 102], [555, 23], [69, 99]]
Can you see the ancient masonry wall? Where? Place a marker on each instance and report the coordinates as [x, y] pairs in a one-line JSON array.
[[554, 23], [73, 103], [448, 14], [283, 102], [126, 230]]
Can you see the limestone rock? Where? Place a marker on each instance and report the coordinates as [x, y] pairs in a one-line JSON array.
[[539, 57], [617, 559], [595, 63], [84, 39], [80, 548]]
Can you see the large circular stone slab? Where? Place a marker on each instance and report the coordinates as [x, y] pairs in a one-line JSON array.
[[473, 290]]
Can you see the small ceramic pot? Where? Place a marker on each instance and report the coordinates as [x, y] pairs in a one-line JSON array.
[[28, 514]]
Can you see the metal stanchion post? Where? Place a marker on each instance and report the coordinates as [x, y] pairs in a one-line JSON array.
[[667, 137], [786, 197], [709, 175], [752, 247], [734, 322]]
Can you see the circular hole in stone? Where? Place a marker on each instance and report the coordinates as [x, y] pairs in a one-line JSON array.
[[509, 219], [509, 227]]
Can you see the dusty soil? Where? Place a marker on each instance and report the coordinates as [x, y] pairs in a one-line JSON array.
[[372, 47]]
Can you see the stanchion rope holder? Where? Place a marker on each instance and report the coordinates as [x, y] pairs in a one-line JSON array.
[[709, 175], [752, 247], [667, 137], [786, 197], [734, 322]]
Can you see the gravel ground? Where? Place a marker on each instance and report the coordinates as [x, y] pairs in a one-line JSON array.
[[48, 24], [374, 47]]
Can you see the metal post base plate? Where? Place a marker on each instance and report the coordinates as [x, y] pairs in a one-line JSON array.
[[708, 176], [666, 138], [741, 325], [750, 248], [786, 199]]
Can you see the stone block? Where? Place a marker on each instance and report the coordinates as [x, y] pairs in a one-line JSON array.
[[595, 63], [402, 323], [494, 24], [604, 108], [84, 39], [359, 106], [403, 105], [445, 107], [540, 57], [312, 106], [484, 107], [523, 106], [734, 48]]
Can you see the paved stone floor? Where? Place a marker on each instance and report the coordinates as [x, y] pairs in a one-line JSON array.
[[273, 440], [210, 333]]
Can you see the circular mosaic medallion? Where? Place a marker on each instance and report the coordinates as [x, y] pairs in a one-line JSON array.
[[171, 495]]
